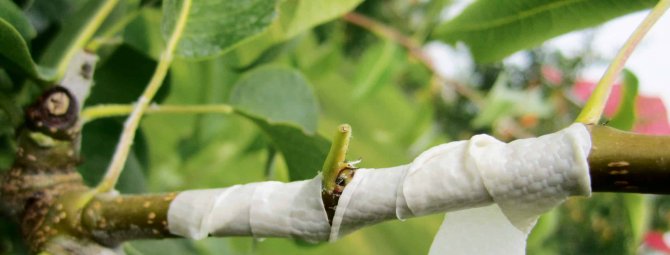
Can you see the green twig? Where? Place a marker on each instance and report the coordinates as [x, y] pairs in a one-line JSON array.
[[123, 147], [86, 33], [107, 35], [594, 107], [112, 110], [335, 162]]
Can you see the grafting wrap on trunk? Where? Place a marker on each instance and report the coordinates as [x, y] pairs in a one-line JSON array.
[[524, 178]]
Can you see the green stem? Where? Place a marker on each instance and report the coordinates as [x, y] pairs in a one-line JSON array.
[[123, 147], [594, 107], [86, 33], [335, 161], [112, 110], [107, 35]]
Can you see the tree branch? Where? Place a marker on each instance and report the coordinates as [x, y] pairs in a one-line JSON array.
[[123, 148], [616, 157], [112, 220], [627, 162], [414, 50]]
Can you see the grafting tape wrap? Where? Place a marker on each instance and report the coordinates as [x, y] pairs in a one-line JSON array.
[[524, 178]]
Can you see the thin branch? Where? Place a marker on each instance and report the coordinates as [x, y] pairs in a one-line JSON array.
[[123, 147], [414, 50], [113, 110], [595, 106], [87, 32]]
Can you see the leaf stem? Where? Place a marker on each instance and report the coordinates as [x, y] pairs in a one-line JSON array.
[[595, 106], [121, 153], [86, 33], [112, 110]]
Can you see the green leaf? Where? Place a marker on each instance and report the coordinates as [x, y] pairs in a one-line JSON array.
[[144, 33], [14, 53], [280, 101], [295, 17], [277, 95], [214, 27], [376, 68], [495, 29], [13, 15], [639, 208], [624, 118], [302, 15], [304, 154]]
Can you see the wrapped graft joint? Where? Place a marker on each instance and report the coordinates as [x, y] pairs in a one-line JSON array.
[[520, 180]]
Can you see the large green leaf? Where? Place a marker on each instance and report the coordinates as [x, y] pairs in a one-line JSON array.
[[144, 33], [278, 95], [215, 26], [14, 53], [378, 65], [494, 29], [304, 154], [12, 14], [300, 15], [281, 102], [295, 17], [624, 118]]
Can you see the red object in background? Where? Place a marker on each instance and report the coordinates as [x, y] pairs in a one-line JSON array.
[[656, 242], [651, 113], [553, 75]]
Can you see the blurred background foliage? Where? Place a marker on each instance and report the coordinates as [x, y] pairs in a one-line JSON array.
[[295, 69]]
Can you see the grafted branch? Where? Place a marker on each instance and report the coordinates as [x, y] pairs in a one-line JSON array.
[[57, 211], [628, 162], [114, 219]]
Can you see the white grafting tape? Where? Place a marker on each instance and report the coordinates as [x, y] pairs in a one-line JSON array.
[[190, 211], [525, 178], [482, 231], [263, 209], [370, 198], [441, 179]]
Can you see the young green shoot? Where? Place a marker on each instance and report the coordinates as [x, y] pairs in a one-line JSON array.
[[123, 148], [335, 161], [595, 106]]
